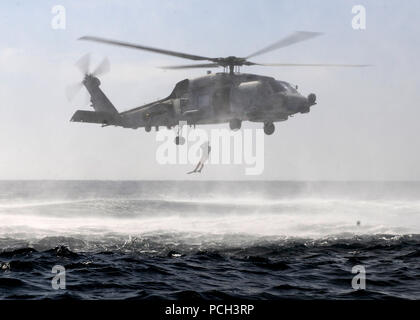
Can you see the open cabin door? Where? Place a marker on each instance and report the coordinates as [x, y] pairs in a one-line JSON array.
[[221, 101]]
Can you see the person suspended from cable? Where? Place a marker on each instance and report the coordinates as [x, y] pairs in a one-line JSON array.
[[205, 153]]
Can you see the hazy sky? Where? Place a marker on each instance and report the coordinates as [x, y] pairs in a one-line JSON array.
[[365, 126]]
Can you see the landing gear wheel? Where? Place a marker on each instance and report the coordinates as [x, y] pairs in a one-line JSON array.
[[147, 128], [269, 128], [235, 124], [179, 140]]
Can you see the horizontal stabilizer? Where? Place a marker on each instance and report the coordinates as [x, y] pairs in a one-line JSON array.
[[93, 117]]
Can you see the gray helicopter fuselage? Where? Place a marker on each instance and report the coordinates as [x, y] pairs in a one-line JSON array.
[[219, 98], [211, 99]]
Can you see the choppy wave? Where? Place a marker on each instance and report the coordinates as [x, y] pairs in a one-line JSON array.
[[171, 266], [157, 240]]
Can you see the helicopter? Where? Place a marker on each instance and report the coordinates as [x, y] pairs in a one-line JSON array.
[[223, 97]]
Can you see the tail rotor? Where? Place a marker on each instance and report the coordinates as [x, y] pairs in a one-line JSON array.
[[84, 65]]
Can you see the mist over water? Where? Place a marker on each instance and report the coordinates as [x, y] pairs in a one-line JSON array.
[[239, 226], [32, 210]]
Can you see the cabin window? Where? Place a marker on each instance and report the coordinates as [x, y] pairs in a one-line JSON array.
[[204, 100]]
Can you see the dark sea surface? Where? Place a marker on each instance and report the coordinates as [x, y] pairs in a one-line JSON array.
[[211, 240]]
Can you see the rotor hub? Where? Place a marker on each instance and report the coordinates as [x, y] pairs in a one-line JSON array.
[[90, 79]]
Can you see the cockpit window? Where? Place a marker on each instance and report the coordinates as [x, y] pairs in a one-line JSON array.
[[277, 86], [287, 86]]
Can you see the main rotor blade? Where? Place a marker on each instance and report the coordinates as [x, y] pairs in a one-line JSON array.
[[295, 37], [311, 65], [102, 68], [137, 46], [84, 64], [192, 66]]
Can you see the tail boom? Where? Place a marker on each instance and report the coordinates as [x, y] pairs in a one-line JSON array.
[[105, 113]]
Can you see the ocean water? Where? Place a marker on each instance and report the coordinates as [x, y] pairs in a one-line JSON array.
[[209, 240]]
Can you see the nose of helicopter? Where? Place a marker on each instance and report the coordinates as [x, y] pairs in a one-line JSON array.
[[292, 102], [298, 102], [295, 102]]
